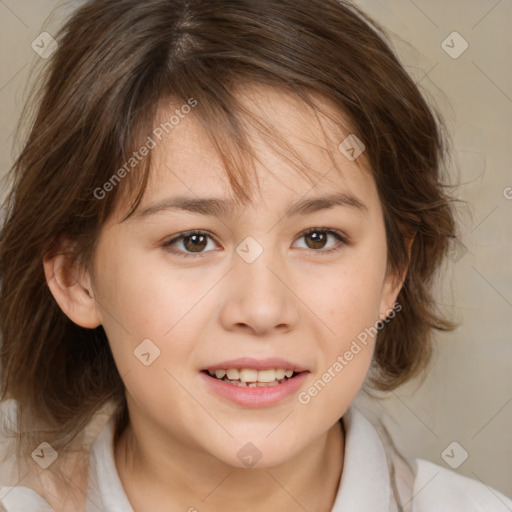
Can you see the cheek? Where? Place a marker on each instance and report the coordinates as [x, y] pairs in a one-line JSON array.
[[349, 349], [141, 301], [353, 305], [352, 294], [145, 296], [352, 300], [149, 326], [345, 354]]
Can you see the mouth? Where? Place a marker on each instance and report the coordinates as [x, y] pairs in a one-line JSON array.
[[251, 378], [254, 383]]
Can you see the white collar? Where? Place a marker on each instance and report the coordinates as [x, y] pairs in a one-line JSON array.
[[365, 480], [105, 491], [364, 486]]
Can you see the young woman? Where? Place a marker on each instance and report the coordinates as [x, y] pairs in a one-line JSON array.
[[226, 220]]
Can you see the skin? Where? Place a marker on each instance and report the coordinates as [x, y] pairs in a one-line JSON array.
[[293, 302]]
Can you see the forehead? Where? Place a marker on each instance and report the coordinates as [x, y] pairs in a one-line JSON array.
[[282, 131]]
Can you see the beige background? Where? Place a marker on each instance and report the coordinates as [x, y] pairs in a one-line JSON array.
[[468, 396]]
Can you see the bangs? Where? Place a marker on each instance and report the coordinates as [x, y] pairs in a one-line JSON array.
[[227, 122]]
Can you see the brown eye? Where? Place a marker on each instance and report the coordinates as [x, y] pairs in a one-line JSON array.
[[190, 242], [317, 240], [195, 243]]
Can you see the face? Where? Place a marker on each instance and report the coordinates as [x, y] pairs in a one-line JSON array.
[[252, 291]]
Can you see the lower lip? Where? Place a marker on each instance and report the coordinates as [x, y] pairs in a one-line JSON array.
[[259, 396]]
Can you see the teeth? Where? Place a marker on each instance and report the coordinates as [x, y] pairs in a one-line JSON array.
[[233, 374], [251, 377], [266, 376], [252, 384]]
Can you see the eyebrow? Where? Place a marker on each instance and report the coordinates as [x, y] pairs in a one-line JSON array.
[[225, 208]]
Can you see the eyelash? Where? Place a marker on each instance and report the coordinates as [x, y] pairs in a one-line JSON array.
[[337, 234]]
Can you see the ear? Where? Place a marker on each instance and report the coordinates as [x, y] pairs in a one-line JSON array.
[[393, 284], [71, 289]]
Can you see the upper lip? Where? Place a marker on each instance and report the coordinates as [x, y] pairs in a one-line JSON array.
[[256, 364]]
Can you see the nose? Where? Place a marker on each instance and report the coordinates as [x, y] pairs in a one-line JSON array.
[[259, 298]]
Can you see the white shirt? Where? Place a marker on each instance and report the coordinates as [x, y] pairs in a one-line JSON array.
[[371, 470]]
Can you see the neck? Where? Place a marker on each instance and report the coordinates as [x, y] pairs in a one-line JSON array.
[[159, 478]]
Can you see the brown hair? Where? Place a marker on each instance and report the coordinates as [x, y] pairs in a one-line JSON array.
[[116, 62]]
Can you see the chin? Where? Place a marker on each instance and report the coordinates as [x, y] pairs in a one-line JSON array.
[[258, 453]]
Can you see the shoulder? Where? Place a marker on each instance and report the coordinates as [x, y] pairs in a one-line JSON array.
[[22, 499], [419, 485], [442, 490], [36, 491], [8, 439]]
